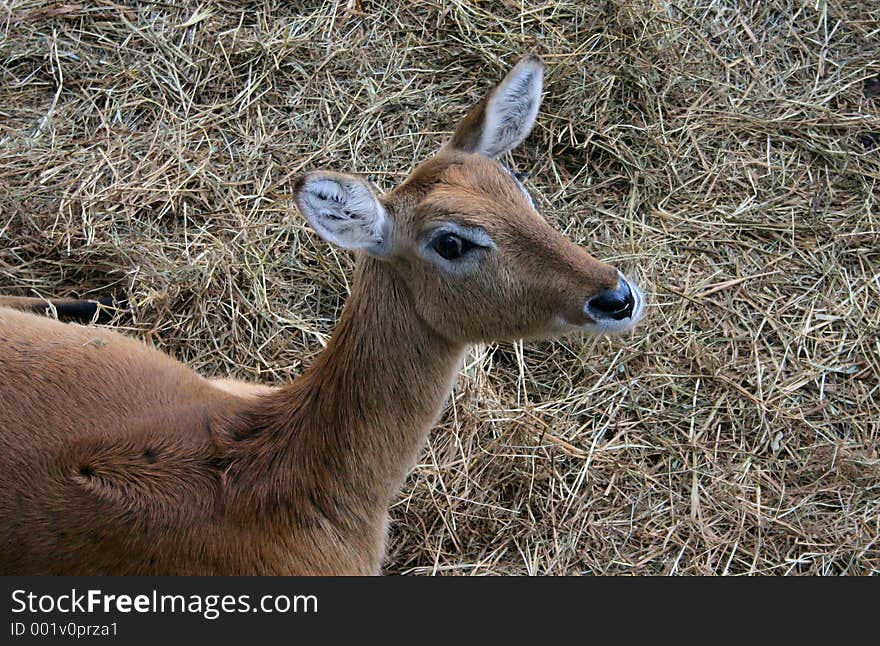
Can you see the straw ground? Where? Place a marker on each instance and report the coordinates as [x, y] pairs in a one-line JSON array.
[[727, 153]]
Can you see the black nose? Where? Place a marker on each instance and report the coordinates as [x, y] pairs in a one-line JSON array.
[[614, 304]]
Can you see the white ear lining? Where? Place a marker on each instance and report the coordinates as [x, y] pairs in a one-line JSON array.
[[344, 211], [512, 109]]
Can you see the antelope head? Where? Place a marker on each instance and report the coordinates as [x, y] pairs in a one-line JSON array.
[[480, 263]]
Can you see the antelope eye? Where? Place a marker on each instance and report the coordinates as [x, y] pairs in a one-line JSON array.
[[451, 246]]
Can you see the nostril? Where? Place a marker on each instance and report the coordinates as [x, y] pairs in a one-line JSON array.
[[616, 304]]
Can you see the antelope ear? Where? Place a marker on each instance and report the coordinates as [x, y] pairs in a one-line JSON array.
[[345, 211], [502, 120]]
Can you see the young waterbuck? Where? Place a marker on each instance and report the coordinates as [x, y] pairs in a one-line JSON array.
[[117, 459]]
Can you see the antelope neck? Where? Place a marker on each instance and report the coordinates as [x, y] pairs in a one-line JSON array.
[[353, 424]]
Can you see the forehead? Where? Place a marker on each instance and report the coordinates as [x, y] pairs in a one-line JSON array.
[[467, 188]]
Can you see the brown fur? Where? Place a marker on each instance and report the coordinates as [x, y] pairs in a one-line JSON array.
[[117, 459]]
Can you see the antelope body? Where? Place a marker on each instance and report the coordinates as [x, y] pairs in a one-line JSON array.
[[117, 459]]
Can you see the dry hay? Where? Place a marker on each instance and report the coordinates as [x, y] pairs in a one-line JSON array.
[[726, 152]]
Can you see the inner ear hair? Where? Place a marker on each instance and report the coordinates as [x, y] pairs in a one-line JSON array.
[[502, 120], [344, 210]]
